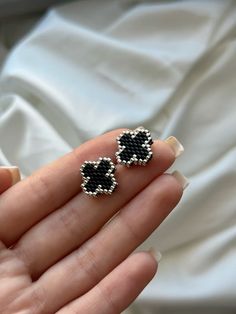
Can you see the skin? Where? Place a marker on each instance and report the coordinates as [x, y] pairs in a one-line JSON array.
[[5, 180], [60, 251]]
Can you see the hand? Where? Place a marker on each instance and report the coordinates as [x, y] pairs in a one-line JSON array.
[[59, 250]]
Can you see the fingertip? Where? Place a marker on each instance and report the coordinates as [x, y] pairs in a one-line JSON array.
[[162, 151], [8, 177], [182, 180], [156, 254], [173, 188], [175, 145], [15, 174], [145, 264], [5, 180]]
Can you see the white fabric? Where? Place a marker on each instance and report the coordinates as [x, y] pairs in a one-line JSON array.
[[92, 66]]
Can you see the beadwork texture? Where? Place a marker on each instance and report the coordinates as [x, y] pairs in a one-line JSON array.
[[98, 176], [134, 147]]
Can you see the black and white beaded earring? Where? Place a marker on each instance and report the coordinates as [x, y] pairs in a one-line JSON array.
[[98, 176], [134, 147]]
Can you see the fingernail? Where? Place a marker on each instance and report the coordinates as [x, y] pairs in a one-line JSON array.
[[155, 253], [175, 145], [15, 173], [181, 179], [140, 127]]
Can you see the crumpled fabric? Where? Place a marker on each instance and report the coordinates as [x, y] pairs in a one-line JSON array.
[[91, 66]]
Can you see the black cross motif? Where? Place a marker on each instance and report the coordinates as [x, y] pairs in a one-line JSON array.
[[134, 147], [98, 176]]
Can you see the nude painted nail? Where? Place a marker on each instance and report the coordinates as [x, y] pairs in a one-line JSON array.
[[181, 179], [15, 173], [175, 145], [155, 253]]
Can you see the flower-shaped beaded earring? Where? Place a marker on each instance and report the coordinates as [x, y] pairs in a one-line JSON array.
[[98, 176], [134, 147]]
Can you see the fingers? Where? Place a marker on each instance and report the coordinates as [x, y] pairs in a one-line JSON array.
[[85, 267], [68, 227], [118, 289], [8, 177], [48, 188]]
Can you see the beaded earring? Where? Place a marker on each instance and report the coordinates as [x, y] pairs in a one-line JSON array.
[[134, 147], [98, 176]]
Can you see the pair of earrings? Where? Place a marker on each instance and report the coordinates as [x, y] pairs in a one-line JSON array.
[[134, 147]]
